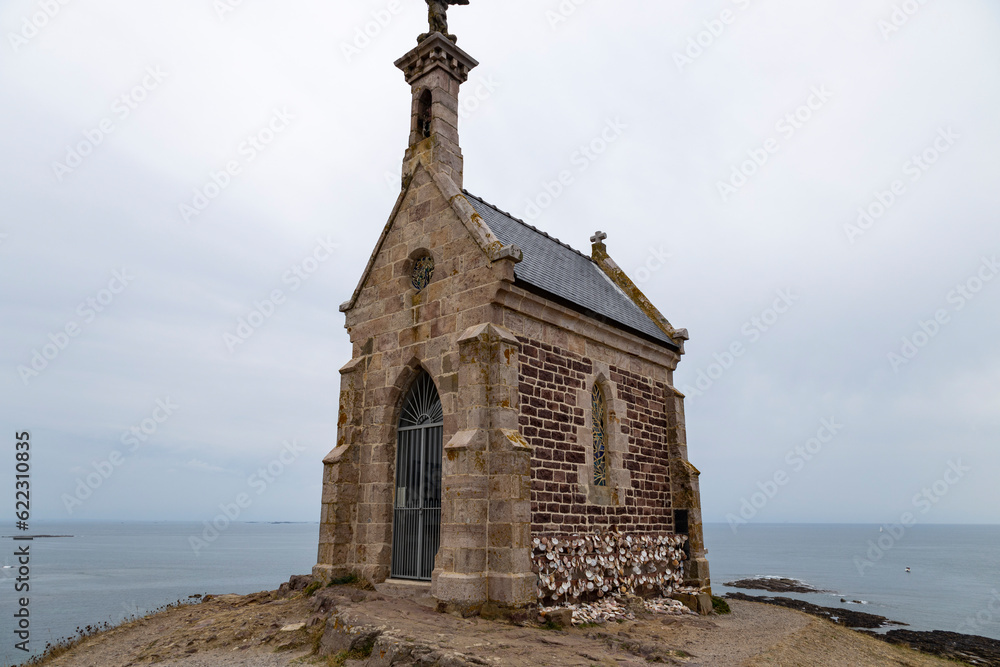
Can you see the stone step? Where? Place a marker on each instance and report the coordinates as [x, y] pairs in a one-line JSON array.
[[405, 588]]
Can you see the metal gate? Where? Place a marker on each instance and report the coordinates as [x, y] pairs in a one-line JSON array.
[[416, 530]]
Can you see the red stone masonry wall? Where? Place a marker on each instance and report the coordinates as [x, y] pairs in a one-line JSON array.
[[550, 419]]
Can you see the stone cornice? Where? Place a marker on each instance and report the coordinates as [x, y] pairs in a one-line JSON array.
[[437, 51]]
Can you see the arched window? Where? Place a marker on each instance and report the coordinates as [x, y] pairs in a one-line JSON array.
[[424, 114], [423, 405], [599, 426]]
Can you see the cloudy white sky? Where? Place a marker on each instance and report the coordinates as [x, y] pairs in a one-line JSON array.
[[114, 113]]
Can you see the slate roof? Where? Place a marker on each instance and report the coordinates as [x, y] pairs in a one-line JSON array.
[[572, 278]]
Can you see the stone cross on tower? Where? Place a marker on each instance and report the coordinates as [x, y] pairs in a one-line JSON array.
[[599, 251], [437, 18]]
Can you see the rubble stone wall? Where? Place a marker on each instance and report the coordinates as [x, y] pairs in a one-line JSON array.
[[607, 564]]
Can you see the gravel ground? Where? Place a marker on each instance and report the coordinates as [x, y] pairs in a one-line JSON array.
[[216, 658], [253, 631]]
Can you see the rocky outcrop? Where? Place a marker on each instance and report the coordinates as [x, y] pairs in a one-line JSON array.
[[845, 617], [951, 645], [775, 585]]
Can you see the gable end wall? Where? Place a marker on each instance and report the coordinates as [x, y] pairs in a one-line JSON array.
[[396, 332]]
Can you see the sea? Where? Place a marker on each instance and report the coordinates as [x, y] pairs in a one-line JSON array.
[[108, 572]]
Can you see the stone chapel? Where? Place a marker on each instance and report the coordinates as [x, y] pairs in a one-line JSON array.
[[509, 406]]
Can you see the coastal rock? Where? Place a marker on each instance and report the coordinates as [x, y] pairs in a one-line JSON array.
[[297, 583], [774, 585], [325, 601], [228, 598], [846, 617], [340, 637], [562, 617], [972, 649]]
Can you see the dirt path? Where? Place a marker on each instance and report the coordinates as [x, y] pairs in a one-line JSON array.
[[262, 631]]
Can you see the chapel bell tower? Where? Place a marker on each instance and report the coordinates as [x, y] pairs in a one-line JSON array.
[[435, 70]]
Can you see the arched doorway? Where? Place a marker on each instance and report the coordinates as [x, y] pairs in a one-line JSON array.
[[416, 529]]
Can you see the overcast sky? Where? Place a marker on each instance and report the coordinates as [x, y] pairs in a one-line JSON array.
[[745, 137]]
